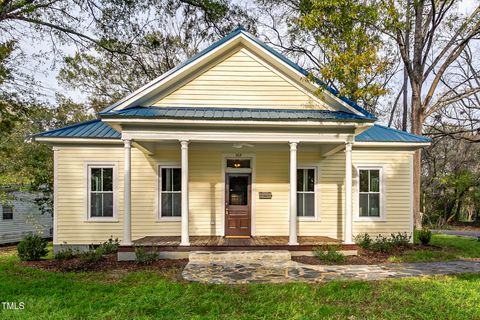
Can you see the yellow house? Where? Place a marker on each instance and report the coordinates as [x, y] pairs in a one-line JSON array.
[[230, 149]]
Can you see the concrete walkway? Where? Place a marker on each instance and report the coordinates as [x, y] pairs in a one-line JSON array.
[[291, 271], [460, 233]]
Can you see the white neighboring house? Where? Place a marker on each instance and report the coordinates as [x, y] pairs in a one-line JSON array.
[[21, 216]]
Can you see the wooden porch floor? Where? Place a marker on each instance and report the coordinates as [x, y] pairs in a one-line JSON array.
[[217, 241], [213, 243]]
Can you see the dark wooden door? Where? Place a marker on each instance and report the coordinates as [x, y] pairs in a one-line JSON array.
[[237, 204]]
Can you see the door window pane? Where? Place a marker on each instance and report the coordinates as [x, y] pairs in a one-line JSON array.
[[238, 191]]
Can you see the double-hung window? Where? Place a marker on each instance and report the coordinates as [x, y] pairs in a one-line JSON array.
[[370, 193], [306, 192], [7, 212], [101, 191], [171, 192]]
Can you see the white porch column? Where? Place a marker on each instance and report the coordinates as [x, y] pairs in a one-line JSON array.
[[185, 241], [292, 240], [127, 228], [348, 193]]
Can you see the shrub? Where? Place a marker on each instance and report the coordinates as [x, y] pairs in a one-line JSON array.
[[31, 248], [363, 240], [382, 244], [142, 256], [109, 246], [424, 236], [91, 256], [331, 254], [401, 239], [66, 253]]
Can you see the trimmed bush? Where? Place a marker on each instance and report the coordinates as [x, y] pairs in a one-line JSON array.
[[65, 253], [363, 240], [32, 248], [424, 236], [109, 246], [91, 256], [142, 256], [382, 244], [331, 254], [401, 239]]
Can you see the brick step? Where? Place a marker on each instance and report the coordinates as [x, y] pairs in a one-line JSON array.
[[258, 256]]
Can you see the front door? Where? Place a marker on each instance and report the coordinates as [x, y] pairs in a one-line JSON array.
[[237, 204]]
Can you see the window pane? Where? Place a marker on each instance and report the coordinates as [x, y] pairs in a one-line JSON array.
[[176, 204], [374, 180], [300, 206], [238, 190], [108, 204], [363, 205], [311, 180], [96, 179], [363, 180], [7, 212], [95, 204], [309, 206], [177, 179], [166, 204], [107, 179], [238, 163], [300, 179], [374, 205]]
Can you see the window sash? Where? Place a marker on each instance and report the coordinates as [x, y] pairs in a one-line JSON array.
[[369, 208], [100, 206], [304, 202], [170, 205], [7, 212]]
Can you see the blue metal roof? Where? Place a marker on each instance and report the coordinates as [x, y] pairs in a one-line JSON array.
[[90, 129], [207, 113], [379, 133], [96, 129], [274, 52]]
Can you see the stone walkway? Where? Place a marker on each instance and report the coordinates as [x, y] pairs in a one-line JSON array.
[[291, 271]]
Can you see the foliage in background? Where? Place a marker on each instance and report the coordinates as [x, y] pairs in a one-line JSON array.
[[31, 248]]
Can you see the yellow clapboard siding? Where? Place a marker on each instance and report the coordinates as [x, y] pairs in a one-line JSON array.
[[241, 80], [207, 191]]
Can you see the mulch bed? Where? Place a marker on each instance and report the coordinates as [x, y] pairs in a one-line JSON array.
[[366, 256], [108, 263]]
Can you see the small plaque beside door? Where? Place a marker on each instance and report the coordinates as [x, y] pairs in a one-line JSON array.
[[265, 195]]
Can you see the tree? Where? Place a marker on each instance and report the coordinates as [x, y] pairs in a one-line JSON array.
[[440, 34], [336, 37]]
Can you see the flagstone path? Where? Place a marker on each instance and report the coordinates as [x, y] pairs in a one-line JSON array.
[[291, 271]]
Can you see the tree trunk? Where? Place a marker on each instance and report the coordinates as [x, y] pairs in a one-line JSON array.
[[417, 121]]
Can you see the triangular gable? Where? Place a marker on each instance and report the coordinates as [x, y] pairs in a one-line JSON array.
[[241, 79], [224, 48]]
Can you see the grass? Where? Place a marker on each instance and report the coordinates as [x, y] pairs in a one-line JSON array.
[[157, 295], [450, 248]]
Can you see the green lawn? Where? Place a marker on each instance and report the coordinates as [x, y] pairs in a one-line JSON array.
[[451, 248], [149, 295]]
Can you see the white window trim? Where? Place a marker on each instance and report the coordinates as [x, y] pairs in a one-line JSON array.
[[160, 166], [316, 190], [382, 193], [113, 165]]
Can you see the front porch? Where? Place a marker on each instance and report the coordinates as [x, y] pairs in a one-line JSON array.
[[169, 246]]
